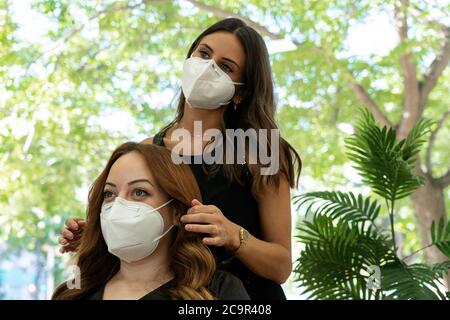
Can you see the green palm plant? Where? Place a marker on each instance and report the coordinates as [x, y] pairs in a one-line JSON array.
[[347, 254]]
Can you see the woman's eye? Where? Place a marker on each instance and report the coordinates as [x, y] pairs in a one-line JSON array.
[[140, 193], [204, 54], [226, 68], [107, 194]]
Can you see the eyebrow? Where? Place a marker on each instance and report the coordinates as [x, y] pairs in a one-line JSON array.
[[131, 182], [227, 59]]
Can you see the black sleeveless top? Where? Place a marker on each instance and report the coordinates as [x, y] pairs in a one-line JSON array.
[[223, 286], [238, 204]]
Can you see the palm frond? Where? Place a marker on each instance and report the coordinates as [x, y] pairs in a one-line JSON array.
[[382, 162], [415, 139], [342, 241], [413, 282], [335, 257], [440, 236], [339, 205]]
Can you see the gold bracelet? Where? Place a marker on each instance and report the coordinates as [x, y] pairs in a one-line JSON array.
[[243, 237]]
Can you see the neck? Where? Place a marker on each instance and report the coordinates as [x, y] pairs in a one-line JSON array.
[[209, 118], [150, 269]]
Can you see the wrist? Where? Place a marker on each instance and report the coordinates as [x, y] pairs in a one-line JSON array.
[[235, 240], [243, 236]]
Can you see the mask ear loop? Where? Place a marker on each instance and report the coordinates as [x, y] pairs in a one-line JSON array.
[[165, 203], [157, 238], [170, 228]]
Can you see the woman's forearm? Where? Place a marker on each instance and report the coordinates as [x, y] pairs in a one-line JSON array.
[[266, 259]]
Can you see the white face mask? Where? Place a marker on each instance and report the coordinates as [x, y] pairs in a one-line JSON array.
[[132, 229], [205, 85]]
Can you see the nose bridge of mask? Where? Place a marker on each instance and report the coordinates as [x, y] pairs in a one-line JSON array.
[[223, 76], [137, 208], [116, 212], [210, 64]]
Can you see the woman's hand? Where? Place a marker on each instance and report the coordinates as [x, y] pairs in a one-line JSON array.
[[210, 220], [71, 235]]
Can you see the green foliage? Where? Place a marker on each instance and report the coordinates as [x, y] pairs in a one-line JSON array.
[[415, 282], [343, 243], [385, 164], [335, 254], [440, 236], [342, 206], [99, 57]]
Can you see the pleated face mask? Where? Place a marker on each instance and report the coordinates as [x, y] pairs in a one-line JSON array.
[[132, 230], [205, 85]]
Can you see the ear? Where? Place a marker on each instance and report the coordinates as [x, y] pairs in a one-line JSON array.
[[176, 219]]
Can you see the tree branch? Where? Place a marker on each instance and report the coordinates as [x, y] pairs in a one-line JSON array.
[[358, 90], [431, 141], [435, 69], [444, 181], [411, 110], [264, 31], [368, 102], [417, 251], [89, 54], [421, 14]]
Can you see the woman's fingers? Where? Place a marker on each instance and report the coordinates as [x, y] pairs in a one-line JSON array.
[[198, 218], [71, 234], [70, 246], [75, 223], [201, 209], [210, 228], [211, 241], [72, 224], [67, 234]]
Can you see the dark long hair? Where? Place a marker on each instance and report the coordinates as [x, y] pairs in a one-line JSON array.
[[191, 261], [257, 108]]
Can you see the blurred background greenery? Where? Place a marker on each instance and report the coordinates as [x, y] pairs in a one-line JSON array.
[[79, 77]]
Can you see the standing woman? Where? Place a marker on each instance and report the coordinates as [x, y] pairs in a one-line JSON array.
[[246, 216]]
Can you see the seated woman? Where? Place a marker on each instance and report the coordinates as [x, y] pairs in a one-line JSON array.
[[133, 246]]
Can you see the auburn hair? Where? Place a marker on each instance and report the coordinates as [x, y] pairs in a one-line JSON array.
[[191, 261]]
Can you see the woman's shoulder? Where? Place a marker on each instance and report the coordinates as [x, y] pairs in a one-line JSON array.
[[158, 139], [147, 140], [226, 286]]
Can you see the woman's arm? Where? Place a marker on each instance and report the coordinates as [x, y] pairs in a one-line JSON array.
[[269, 257]]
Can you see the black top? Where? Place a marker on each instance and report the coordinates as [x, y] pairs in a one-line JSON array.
[[223, 286], [238, 204]]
